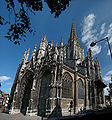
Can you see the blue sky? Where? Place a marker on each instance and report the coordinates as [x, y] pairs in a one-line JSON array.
[[93, 21]]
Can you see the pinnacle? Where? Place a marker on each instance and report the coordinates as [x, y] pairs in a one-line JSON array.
[[44, 39], [52, 43], [25, 52], [61, 41]]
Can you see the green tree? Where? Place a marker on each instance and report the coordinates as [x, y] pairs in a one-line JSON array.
[[21, 23]]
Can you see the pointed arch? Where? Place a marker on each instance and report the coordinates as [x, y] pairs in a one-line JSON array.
[[80, 89], [67, 86], [26, 86]]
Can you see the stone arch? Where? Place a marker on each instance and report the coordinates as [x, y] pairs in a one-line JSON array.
[[26, 85], [44, 92], [80, 89], [67, 89]]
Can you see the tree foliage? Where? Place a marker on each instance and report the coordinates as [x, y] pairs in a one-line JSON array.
[[21, 23]]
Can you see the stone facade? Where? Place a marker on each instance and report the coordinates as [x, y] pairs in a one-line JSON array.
[[57, 80]]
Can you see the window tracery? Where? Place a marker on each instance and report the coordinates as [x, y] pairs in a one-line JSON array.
[[80, 90], [67, 86]]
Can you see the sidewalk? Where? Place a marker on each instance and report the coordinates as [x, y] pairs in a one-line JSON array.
[[4, 116]]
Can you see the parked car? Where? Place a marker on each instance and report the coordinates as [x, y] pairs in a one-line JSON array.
[[88, 112]]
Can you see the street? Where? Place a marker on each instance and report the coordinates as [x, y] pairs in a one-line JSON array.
[[4, 116], [105, 114]]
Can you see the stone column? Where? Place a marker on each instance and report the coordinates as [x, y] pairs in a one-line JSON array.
[[75, 94], [52, 96], [15, 104], [32, 109], [86, 94]]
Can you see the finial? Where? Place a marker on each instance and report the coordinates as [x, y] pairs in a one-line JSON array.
[[27, 55], [44, 37], [52, 43], [28, 50], [73, 25], [56, 44], [61, 42], [25, 52], [44, 40], [35, 46]]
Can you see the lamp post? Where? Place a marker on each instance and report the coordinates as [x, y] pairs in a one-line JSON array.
[[94, 43]]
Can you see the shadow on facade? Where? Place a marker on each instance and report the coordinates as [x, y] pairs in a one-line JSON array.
[[57, 112], [26, 95]]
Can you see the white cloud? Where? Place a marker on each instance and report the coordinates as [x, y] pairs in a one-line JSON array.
[[89, 34], [110, 41], [106, 91], [109, 33], [109, 72], [102, 29], [107, 79], [96, 49], [108, 53], [107, 76], [4, 78]]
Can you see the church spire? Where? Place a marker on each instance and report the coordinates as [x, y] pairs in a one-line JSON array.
[[73, 35]]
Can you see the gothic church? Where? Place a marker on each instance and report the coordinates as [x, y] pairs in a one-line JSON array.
[[57, 80]]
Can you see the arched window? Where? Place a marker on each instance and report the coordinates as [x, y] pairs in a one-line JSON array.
[[71, 54], [67, 86], [80, 90]]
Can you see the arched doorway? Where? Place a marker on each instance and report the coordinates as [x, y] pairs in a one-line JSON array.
[[27, 92], [44, 92]]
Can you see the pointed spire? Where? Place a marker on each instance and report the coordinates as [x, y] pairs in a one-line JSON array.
[[35, 46], [27, 55], [56, 45], [73, 34], [34, 51], [44, 38], [97, 62], [56, 48], [89, 53], [43, 43], [24, 53], [52, 43], [61, 42]]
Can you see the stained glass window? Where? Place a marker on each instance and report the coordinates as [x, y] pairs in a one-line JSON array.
[[80, 90], [67, 86]]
